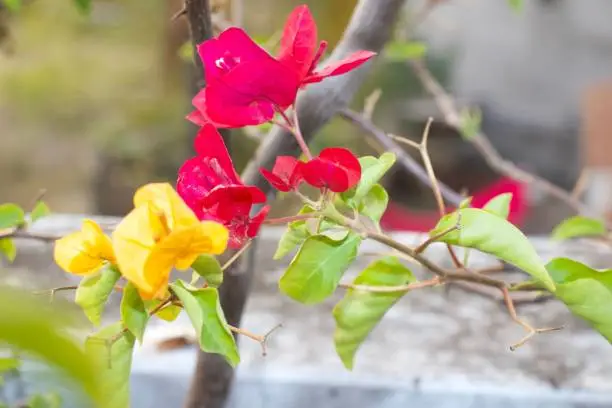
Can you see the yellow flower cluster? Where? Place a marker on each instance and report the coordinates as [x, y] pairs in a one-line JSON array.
[[159, 234]]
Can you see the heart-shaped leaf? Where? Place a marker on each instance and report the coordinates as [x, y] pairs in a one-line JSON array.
[[94, 290], [204, 311], [360, 311], [317, 268], [133, 312]]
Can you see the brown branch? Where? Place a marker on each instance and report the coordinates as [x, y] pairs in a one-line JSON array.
[[403, 159], [25, 234], [392, 289], [452, 118]]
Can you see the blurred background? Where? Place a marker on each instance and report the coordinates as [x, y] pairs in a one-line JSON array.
[[92, 106]]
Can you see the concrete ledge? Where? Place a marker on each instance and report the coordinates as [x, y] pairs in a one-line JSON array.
[[442, 349]]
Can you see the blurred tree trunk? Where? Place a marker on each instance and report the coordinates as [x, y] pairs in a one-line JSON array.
[[213, 376]]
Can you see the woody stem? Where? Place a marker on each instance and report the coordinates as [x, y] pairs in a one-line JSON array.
[[294, 127], [287, 220]]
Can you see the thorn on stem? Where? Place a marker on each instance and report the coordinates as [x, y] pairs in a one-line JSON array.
[[532, 332], [264, 339], [179, 13]]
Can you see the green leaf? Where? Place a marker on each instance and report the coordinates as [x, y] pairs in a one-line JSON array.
[[12, 5], [471, 120], [8, 364], [579, 226], [493, 235], [295, 235], [94, 290], [185, 52], [42, 330], [317, 268], [499, 205], [402, 51], [168, 313], [360, 311], [11, 215], [112, 348], [50, 400], [84, 6], [466, 202], [516, 5], [204, 311], [374, 203], [8, 249], [39, 211], [208, 267], [133, 313], [372, 170], [587, 292]]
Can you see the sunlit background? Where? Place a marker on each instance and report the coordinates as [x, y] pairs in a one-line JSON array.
[[92, 106]]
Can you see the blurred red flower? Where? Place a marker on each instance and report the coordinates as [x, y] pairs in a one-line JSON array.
[[211, 187], [245, 85]]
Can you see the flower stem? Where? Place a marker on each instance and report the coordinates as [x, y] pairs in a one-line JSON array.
[[287, 220], [294, 127]]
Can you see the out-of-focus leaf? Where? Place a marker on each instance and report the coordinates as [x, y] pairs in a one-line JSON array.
[[39, 211], [84, 6], [111, 348], [11, 215], [40, 329], [12, 5], [403, 51], [8, 363], [8, 249], [471, 120], [579, 226]]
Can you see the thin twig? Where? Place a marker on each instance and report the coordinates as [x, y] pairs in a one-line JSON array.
[[436, 237], [262, 340], [403, 159], [370, 103], [405, 141], [53, 291], [287, 220], [180, 13], [17, 232], [435, 186], [392, 289], [530, 330], [581, 184], [237, 255], [452, 118]]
